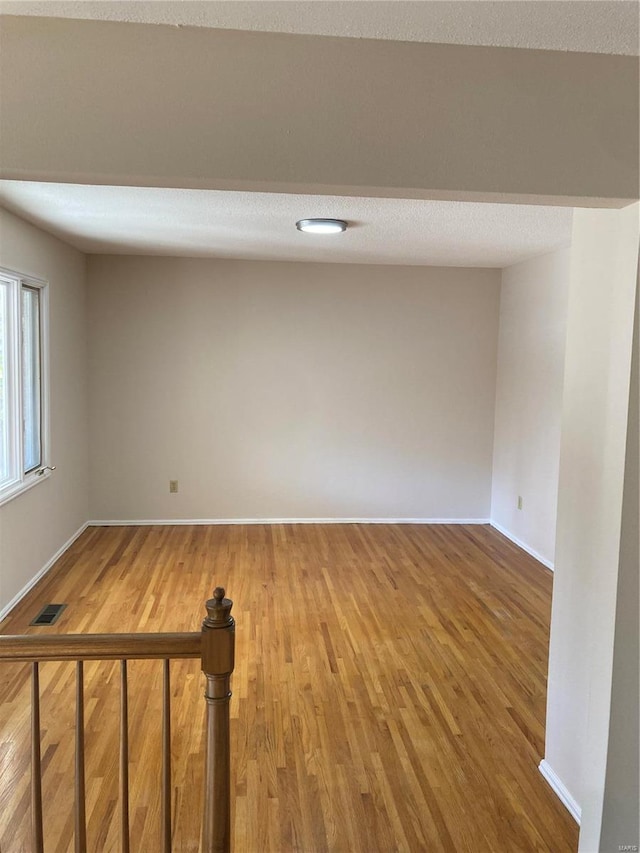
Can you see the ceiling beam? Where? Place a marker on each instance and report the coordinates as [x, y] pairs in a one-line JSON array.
[[150, 105]]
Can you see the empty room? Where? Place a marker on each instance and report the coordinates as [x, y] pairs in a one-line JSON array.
[[319, 426]]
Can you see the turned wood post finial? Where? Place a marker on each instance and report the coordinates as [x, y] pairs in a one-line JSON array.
[[218, 610], [218, 636]]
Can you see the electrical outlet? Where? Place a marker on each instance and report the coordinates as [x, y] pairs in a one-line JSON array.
[[173, 486], [519, 499]]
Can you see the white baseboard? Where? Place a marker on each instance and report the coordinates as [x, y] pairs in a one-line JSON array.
[[34, 580], [561, 790], [159, 521], [203, 521], [522, 545]]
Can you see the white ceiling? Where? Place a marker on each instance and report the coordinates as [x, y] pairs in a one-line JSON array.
[[598, 26], [261, 226]]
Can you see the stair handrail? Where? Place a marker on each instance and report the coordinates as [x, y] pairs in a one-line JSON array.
[[214, 644]]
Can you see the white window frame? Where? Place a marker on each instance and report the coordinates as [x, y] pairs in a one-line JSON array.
[[18, 482]]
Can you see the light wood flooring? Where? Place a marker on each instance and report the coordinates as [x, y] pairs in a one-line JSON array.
[[389, 692]]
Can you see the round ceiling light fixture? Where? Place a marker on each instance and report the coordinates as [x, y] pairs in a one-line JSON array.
[[321, 226]]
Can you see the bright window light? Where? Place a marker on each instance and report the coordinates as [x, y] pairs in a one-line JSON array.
[[23, 386]]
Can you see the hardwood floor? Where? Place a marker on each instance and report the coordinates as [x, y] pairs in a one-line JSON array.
[[389, 691]]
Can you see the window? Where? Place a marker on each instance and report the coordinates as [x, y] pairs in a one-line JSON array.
[[23, 374]]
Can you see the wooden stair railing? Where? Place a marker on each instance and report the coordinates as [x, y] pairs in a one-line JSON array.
[[214, 645]]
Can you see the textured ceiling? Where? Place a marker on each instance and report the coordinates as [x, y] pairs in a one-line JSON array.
[[598, 26], [203, 223]]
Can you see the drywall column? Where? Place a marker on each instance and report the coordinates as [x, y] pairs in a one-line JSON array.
[[602, 288], [620, 823]]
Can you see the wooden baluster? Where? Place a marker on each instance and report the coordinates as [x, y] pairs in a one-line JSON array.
[[80, 809], [218, 643], [166, 758], [36, 764], [124, 759]]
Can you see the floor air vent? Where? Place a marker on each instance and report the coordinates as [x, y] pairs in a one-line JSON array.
[[49, 614]]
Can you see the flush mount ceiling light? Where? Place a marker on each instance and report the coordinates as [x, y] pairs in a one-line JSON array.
[[322, 226]]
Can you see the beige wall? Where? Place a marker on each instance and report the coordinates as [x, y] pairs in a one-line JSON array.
[[143, 104], [602, 288], [283, 390], [34, 525], [526, 455]]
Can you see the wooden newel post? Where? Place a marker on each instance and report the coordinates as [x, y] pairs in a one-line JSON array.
[[218, 646]]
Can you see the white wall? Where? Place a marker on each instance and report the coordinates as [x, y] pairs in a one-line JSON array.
[[283, 390], [34, 525], [604, 258], [526, 454]]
